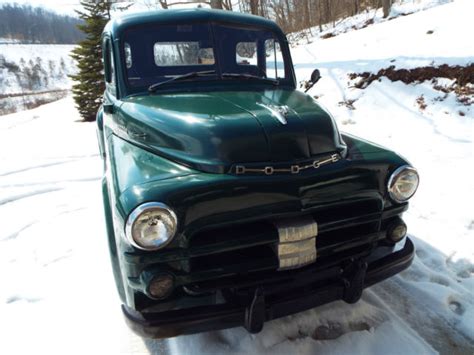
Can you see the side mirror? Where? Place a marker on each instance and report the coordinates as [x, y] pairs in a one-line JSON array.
[[315, 76]]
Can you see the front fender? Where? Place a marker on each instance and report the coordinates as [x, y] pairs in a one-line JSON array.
[[114, 257]]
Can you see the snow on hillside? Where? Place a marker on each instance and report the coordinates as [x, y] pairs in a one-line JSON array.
[[32, 68], [363, 20], [8, 40], [52, 61], [57, 293], [404, 42]]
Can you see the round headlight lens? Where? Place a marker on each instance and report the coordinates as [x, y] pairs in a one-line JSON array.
[[151, 226], [403, 183]]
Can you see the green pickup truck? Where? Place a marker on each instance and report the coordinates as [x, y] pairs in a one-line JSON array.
[[231, 198]]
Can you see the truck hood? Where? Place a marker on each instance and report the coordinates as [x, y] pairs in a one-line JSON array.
[[213, 131]]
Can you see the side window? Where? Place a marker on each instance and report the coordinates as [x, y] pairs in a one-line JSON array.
[[246, 53], [274, 59], [128, 55], [111, 63], [109, 67]]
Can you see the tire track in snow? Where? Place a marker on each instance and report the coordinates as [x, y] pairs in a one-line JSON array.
[[408, 294], [437, 332], [429, 121], [51, 182], [65, 160], [28, 194], [17, 233], [46, 165]]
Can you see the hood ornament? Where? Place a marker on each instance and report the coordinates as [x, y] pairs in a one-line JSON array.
[[279, 112]]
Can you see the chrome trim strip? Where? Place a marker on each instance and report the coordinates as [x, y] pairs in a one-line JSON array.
[[293, 169]]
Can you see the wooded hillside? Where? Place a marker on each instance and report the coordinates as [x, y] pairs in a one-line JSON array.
[[27, 24], [291, 15]]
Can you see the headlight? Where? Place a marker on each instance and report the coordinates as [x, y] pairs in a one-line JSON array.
[[151, 226], [403, 183]]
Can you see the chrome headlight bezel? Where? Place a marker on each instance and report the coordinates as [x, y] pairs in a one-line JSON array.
[[150, 207], [397, 174]]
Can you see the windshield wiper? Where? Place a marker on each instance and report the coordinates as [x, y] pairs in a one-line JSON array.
[[250, 77], [190, 75]]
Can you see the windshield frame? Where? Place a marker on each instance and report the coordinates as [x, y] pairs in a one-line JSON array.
[[216, 82]]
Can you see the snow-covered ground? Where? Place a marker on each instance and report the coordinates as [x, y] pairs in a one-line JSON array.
[[57, 293]]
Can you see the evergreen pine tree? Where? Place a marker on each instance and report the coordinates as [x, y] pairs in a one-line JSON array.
[[89, 87]]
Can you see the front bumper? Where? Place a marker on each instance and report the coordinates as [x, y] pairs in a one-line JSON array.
[[274, 301]]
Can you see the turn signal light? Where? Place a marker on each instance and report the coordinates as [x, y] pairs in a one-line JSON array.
[[161, 286], [397, 230]]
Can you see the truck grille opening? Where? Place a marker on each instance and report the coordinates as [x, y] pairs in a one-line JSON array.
[[239, 261], [247, 258], [213, 236]]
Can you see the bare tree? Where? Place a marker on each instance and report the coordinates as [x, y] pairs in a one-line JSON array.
[[387, 4], [356, 7], [291, 15], [216, 4], [153, 4]]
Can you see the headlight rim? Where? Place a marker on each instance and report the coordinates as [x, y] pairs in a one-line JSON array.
[[133, 216], [393, 178]]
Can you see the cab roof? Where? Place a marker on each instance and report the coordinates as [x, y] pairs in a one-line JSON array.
[[119, 24]]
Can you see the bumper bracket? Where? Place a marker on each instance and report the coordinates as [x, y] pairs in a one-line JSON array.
[[255, 312], [354, 282]]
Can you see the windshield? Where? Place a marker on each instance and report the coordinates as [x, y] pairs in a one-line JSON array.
[[154, 55]]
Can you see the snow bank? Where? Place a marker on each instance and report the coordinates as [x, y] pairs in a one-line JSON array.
[[364, 19], [403, 42]]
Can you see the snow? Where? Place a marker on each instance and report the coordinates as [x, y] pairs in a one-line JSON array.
[[57, 293], [41, 69], [4, 40], [54, 268], [364, 19], [54, 60]]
